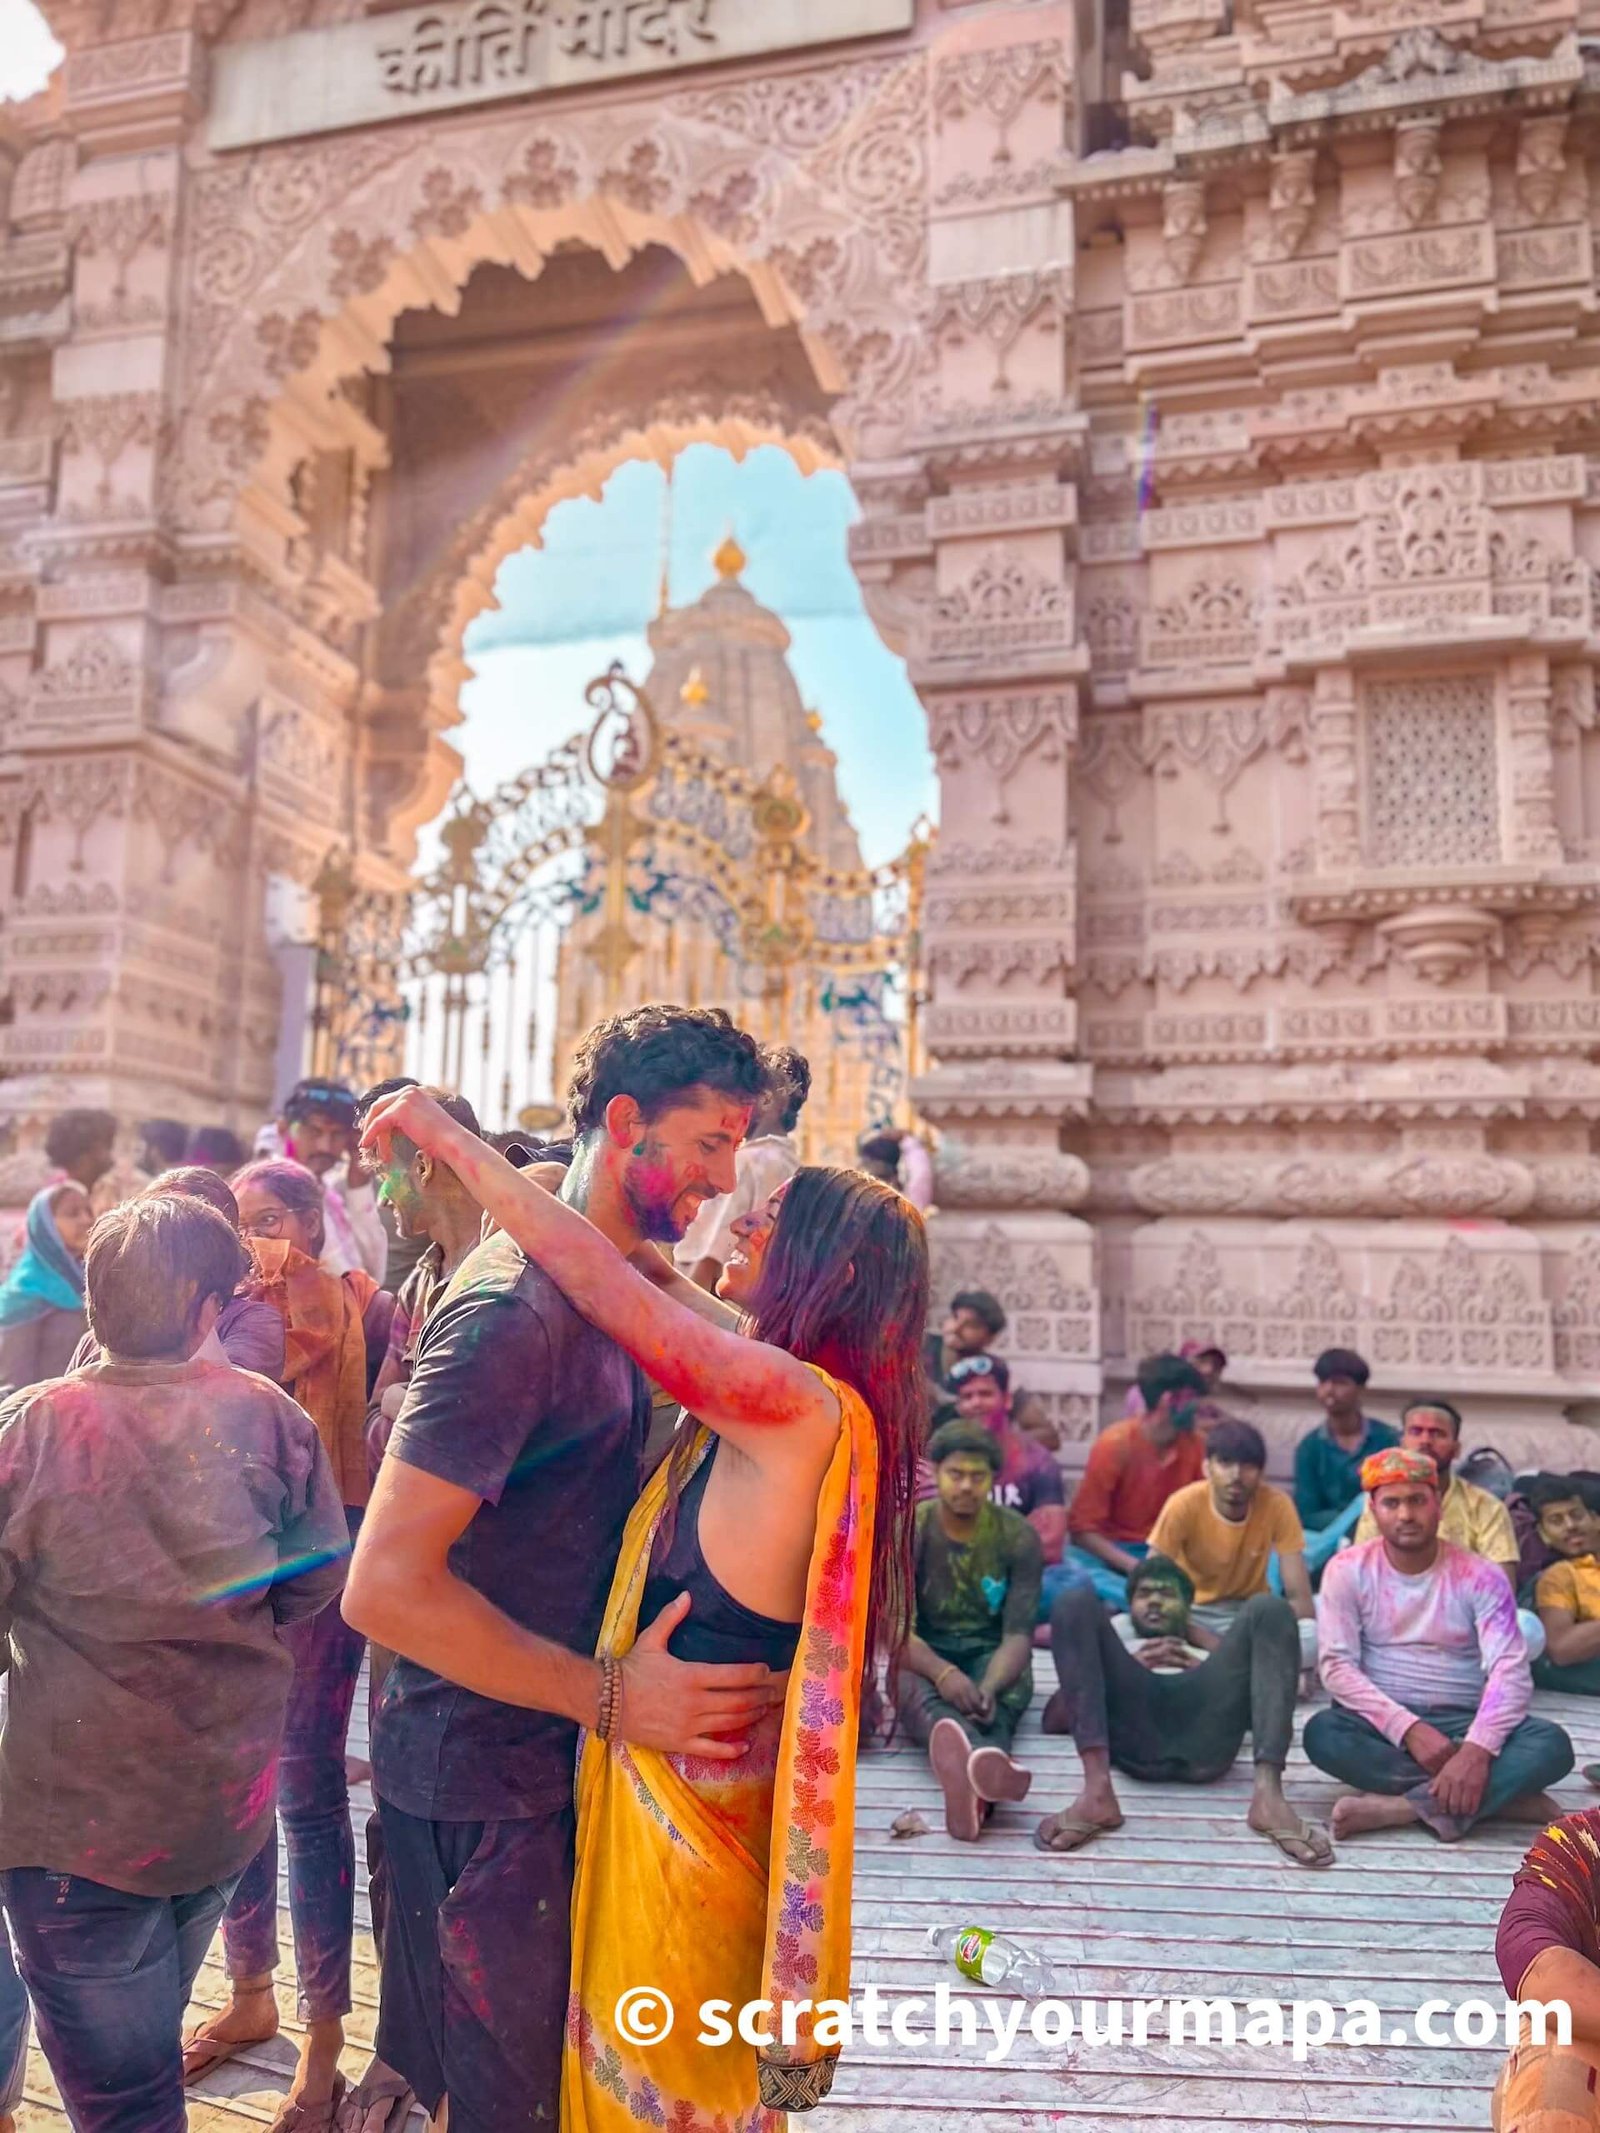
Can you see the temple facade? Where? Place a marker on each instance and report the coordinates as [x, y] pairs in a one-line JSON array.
[[1219, 382]]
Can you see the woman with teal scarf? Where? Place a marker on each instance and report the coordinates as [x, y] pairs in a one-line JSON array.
[[41, 1305]]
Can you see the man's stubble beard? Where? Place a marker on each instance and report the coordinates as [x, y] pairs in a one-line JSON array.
[[655, 1216]]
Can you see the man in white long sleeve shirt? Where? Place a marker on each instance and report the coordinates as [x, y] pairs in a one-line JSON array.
[[1422, 1655], [319, 1130]]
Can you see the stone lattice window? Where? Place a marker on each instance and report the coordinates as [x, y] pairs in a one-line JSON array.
[[1433, 777]]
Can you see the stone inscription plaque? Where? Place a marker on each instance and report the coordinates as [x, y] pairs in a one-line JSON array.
[[476, 51]]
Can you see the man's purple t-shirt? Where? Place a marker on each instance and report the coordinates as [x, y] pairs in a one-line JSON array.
[[252, 1336], [1028, 1476], [517, 1398]]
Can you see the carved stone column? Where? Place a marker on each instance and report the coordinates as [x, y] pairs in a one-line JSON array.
[[1334, 772], [968, 555], [1530, 751]]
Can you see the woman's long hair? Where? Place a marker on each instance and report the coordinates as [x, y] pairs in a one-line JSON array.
[[844, 1285]]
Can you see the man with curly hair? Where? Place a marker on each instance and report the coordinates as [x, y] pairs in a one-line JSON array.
[[485, 1560]]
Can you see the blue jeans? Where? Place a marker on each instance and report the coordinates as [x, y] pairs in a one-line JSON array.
[[13, 2029], [314, 1807], [1111, 1585], [109, 1975], [1536, 1755], [1065, 1576]]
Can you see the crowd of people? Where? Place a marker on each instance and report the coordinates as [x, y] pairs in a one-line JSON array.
[[1189, 1604], [627, 1465]]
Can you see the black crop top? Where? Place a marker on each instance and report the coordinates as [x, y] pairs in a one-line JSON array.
[[718, 1628]]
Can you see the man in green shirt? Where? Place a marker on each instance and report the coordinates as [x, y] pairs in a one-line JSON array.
[[966, 1673]]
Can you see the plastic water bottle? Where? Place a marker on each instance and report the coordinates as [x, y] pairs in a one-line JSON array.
[[994, 1959]]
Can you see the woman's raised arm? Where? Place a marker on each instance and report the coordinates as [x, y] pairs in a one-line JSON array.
[[737, 1386]]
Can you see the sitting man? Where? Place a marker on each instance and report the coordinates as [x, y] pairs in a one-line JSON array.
[[1225, 1529], [1163, 1698], [1133, 1467], [1029, 1480], [966, 1672], [1567, 1595], [1548, 1949], [1208, 1359], [1474, 1518], [973, 1323], [1428, 1672], [1327, 1460]]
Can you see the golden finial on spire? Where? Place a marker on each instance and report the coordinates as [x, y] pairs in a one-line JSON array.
[[730, 558], [694, 692]]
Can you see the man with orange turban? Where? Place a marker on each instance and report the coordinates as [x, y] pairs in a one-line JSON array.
[[1421, 1653]]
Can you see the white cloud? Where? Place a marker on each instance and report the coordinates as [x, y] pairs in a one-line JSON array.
[[28, 52]]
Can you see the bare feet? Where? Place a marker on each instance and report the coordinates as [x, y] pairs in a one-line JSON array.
[[250, 2017], [1356, 1813], [1271, 1816], [1532, 1807], [1306, 1843], [1068, 1832], [994, 1776], [949, 1752], [316, 2078]]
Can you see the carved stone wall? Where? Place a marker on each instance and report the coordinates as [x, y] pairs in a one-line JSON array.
[[1336, 778], [1232, 494]]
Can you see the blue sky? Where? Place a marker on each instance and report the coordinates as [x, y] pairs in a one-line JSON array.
[[583, 599]]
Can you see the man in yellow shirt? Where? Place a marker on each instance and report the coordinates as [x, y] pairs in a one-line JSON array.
[[1567, 1595], [1224, 1530]]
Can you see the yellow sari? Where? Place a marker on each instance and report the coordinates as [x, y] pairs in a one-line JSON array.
[[679, 1885]]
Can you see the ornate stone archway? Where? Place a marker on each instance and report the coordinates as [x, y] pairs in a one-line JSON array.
[[426, 631], [1231, 495], [516, 518]]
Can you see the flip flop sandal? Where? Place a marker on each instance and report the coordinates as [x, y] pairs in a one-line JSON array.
[[380, 2103], [1284, 1838], [1068, 1826], [994, 1776], [201, 2054], [949, 1751], [312, 2117]]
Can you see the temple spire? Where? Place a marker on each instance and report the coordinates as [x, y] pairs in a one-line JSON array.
[[730, 558]]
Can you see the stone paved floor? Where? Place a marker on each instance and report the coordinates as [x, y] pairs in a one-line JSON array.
[[1182, 1900]]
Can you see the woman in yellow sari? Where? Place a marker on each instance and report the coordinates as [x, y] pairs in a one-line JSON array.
[[784, 1516]]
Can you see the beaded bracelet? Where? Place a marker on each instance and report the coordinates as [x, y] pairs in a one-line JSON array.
[[610, 1696]]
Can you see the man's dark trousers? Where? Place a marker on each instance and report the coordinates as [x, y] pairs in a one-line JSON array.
[[1185, 1728]]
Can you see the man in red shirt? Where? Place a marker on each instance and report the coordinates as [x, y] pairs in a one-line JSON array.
[[1133, 1467]]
